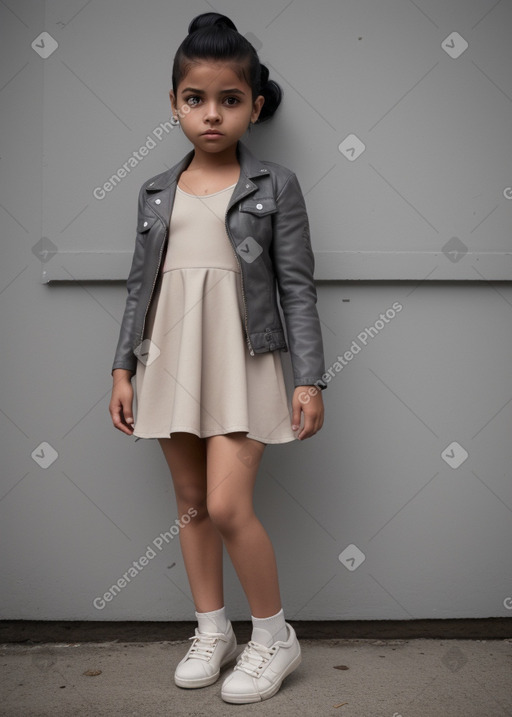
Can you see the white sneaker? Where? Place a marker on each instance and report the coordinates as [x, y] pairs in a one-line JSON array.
[[260, 670], [208, 653]]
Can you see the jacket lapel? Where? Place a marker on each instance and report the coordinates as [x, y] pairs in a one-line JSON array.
[[161, 190]]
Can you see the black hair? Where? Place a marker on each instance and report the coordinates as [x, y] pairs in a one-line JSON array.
[[212, 36]]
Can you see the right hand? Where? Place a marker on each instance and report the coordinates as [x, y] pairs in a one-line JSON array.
[[120, 406]]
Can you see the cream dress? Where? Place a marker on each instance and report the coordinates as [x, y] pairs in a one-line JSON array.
[[196, 373]]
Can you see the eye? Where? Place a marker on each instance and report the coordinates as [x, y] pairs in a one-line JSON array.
[[192, 97], [235, 101]]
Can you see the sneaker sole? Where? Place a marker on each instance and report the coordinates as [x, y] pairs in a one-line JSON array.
[[270, 692], [205, 681]]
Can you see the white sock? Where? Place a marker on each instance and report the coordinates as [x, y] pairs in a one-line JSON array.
[[215, 621], [267, 630]]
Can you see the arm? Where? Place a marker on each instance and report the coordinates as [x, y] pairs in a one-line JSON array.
[[125, 362], [124, 356], [294, 267]]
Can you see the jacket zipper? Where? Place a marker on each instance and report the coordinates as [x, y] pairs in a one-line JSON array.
[[251, 351], [153, 287]]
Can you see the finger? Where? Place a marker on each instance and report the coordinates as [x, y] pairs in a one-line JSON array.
[[308, 425], [297, 406], [127, 419], [125, 429], [312, 423], [118, 419]]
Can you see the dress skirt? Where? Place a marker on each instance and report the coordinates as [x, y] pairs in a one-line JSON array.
[[195, 372]]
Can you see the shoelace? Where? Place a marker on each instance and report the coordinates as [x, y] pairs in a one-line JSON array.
[[204, 645], [254, 658]]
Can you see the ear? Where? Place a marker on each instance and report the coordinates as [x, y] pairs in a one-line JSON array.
[[173, 102], [256, 107]]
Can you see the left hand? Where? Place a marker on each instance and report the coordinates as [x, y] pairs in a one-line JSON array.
[[307, 399]]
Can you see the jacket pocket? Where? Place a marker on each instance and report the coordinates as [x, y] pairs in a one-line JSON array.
[[259, 207]]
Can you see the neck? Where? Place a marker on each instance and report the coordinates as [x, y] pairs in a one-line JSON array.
[[210, 161]]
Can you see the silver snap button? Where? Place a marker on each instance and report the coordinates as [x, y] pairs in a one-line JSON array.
[[263, 170], [145, 224], [158, 201], [259, 206]]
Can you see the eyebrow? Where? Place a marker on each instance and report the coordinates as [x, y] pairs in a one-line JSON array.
[[201, 92]]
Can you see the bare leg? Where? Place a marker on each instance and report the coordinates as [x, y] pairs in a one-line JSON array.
[[201, 542], [232, 465]]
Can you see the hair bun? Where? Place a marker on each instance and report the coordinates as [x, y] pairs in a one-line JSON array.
[[264, 75], [209, 19]]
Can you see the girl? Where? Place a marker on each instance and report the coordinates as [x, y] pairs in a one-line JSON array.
[[202, 332]]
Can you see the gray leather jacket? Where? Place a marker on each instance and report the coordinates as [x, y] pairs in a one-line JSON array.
[[267, 224]]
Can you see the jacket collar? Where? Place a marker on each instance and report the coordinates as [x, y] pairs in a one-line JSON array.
[[161, 190], [250, 166]]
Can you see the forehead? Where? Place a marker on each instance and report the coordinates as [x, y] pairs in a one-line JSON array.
[[212, 76]]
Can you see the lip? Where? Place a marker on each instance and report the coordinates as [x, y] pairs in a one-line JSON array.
[[213, 133]]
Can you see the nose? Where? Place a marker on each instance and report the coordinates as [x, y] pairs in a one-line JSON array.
[[212, 113]]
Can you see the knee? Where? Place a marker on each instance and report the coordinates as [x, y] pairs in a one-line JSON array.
[[225, 516], [189, 497]]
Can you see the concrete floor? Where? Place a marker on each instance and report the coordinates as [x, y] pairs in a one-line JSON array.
[[385, 678]]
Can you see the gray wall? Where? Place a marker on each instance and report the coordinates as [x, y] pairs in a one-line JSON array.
[[411, 470]]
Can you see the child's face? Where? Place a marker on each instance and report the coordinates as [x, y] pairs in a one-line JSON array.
[[211, 96]]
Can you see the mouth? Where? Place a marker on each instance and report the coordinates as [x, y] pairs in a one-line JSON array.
[[212, 131]]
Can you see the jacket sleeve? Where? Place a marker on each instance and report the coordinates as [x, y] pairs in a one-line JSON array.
[[124, 356], [294, 267]]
